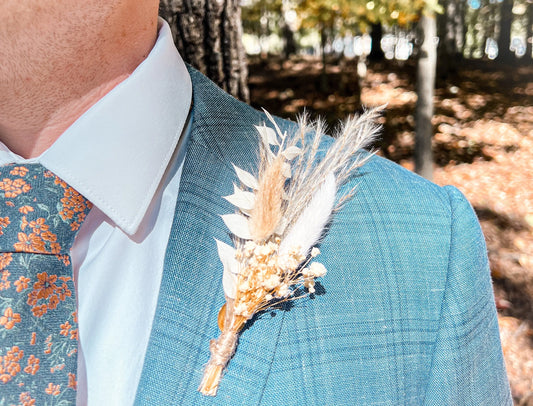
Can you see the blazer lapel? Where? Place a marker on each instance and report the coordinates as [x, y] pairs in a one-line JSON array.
[[191, 289]]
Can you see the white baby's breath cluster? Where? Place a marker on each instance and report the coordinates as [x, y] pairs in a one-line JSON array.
[[267, 275]]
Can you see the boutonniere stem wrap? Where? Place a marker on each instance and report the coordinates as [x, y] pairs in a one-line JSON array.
[[281, 214]]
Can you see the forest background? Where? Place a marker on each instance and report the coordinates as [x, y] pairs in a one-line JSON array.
[[457, 79]]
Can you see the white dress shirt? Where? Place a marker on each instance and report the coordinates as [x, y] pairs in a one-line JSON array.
[[125, 155]]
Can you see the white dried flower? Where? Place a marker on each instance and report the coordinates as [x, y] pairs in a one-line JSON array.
[[306, 273], [309, 284], [249, 247], [241, 310], [283, 291], [263, 250], [315, 251], [272, 282], [244, 286], [317, 269]]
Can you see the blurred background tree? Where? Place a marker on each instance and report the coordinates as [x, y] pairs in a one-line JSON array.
[[208, 35]]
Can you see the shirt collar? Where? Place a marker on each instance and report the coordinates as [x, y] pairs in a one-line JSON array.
[[116, 153]]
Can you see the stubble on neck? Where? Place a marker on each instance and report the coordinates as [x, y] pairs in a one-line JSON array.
[[59, 67]]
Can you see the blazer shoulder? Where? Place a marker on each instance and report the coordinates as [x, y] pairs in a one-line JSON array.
[[396, 189], [234, 121]]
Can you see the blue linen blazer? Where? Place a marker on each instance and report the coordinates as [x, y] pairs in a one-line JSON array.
[[404, 316]]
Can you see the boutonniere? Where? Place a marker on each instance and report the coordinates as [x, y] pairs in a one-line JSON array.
[[281, 213]]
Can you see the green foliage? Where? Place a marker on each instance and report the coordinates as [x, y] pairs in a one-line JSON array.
[[334, 15], [361, 13], [262, 16]]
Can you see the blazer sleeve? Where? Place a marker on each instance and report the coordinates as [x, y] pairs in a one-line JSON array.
[[467, 366]]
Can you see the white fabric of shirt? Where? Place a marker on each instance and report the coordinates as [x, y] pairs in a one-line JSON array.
[[125, 155]]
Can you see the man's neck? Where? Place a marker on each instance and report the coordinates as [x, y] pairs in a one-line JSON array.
[[37, 133], [57, 71]]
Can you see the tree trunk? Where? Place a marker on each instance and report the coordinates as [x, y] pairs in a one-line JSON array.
[[450, 38], [504, 38], [425, 84], [459, 27], [462, 27], [529, 33], [208, 35], [376, 53], [289, 43], [324, 85]]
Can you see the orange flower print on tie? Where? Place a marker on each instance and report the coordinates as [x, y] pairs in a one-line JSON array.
[[39, 311], [45, 286], [23, 223], [48, 343], [75, 206], [19, 171], [26, 400], [4, 282], [25, 209], [55, 248], [38, 226], [13, 188], [4, 222], [53, 302], [46, 294], [9, 364], [65, 327], [72, 383], [64, 258], [33, 365], [9, 319], [52, 389], [22, 283], [5, 259], [29, 243]]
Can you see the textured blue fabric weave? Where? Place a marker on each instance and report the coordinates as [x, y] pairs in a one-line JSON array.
[[405, 315]]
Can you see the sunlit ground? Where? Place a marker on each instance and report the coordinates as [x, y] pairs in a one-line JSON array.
[[483, 144]]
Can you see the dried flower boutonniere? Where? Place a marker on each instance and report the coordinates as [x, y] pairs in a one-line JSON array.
[[281, 215]]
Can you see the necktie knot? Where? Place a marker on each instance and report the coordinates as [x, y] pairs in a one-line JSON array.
[[41, 213]]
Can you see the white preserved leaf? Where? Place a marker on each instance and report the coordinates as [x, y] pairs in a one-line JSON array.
[[238, 225], [246, 178], [226, 254], [242, 200], [236, 189], [286, 170], [291, 152], [271, 119], [310, 225], [268, 135]]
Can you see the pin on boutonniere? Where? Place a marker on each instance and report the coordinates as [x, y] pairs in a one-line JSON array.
[[281, 215]]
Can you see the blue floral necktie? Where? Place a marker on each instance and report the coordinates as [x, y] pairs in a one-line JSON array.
[[39, 217]]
